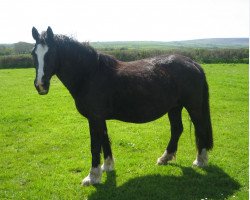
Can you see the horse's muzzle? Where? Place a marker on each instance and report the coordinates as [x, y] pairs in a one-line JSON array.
[[42, 88], [43, 92]]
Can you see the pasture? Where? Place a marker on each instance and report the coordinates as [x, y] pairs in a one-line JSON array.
[[45, 145]]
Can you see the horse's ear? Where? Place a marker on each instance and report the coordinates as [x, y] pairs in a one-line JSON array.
[[50, 35], [35, 34]]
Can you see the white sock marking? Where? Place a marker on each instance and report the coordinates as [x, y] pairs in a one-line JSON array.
[[201, 159], [108, 164], [165, 158], [94, 176]]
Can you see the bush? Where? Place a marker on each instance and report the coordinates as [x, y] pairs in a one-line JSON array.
[[199, 55], [124, 54], [16, 61]]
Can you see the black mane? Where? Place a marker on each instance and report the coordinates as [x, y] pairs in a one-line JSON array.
[[75, 47], [66, 42], [107, 60]]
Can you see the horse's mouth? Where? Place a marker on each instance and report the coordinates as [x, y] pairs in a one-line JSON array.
[[43, 92], [42, 89]]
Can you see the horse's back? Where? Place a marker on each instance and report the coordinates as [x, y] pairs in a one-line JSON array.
[[168, 73]]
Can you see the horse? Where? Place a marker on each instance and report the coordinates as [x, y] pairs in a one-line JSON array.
[[140, 91]]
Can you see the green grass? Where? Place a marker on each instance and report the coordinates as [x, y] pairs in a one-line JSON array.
[[45, 146]]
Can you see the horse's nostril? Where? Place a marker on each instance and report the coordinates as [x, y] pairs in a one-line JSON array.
[[40, 87]]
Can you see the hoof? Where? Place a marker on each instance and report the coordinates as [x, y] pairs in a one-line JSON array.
[[87, 181], [108, 165], [198, 163], [93, 178], [161, 161], [165, 158], [201, 159]]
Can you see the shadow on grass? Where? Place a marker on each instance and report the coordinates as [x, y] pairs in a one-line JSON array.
[[213, 183]]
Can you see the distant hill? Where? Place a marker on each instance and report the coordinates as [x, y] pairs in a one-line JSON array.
[[199, 43], [16, 48], [23, 47], [214, 43]]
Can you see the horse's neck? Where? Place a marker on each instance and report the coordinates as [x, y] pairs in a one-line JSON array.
[[68, 79], [73, 72]]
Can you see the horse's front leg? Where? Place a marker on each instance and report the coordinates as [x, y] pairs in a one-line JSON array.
[[97, 128]]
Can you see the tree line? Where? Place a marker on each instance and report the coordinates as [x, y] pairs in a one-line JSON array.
[[201, 55], [19, 57]]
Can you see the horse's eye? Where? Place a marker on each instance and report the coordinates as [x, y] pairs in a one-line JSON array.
[[33, 51]]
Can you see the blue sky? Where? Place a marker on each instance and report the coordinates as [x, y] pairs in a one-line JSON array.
[[125, 20]]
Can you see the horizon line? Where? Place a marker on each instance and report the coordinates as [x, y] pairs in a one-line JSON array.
[[164, 41]]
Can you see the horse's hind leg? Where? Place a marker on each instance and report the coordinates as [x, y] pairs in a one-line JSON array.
[[200, 131], [108, 164], [176, 130]]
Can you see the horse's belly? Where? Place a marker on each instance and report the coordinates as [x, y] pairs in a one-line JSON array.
[[143, 99], [140, 112], [133, 117]]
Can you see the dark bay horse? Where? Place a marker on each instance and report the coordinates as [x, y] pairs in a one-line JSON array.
[[140, 91]]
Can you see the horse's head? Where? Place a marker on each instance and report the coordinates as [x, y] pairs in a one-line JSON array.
[[44, 56]]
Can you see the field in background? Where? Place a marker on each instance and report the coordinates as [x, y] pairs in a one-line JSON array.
[[45, 146]]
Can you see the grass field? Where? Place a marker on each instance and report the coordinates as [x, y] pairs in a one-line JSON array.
[[45, 146]]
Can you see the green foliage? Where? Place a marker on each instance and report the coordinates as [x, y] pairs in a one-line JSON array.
[[23, 48], [45, 146], [16, 48], [5, 50], [16, 56], [199, 55], [228, 50], [16, 61]]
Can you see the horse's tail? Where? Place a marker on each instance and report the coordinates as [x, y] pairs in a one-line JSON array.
[[206, 117]]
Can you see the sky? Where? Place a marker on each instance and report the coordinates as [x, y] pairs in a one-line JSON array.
[[125, 20]]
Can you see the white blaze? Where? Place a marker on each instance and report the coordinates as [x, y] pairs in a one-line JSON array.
[[41, 50]]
